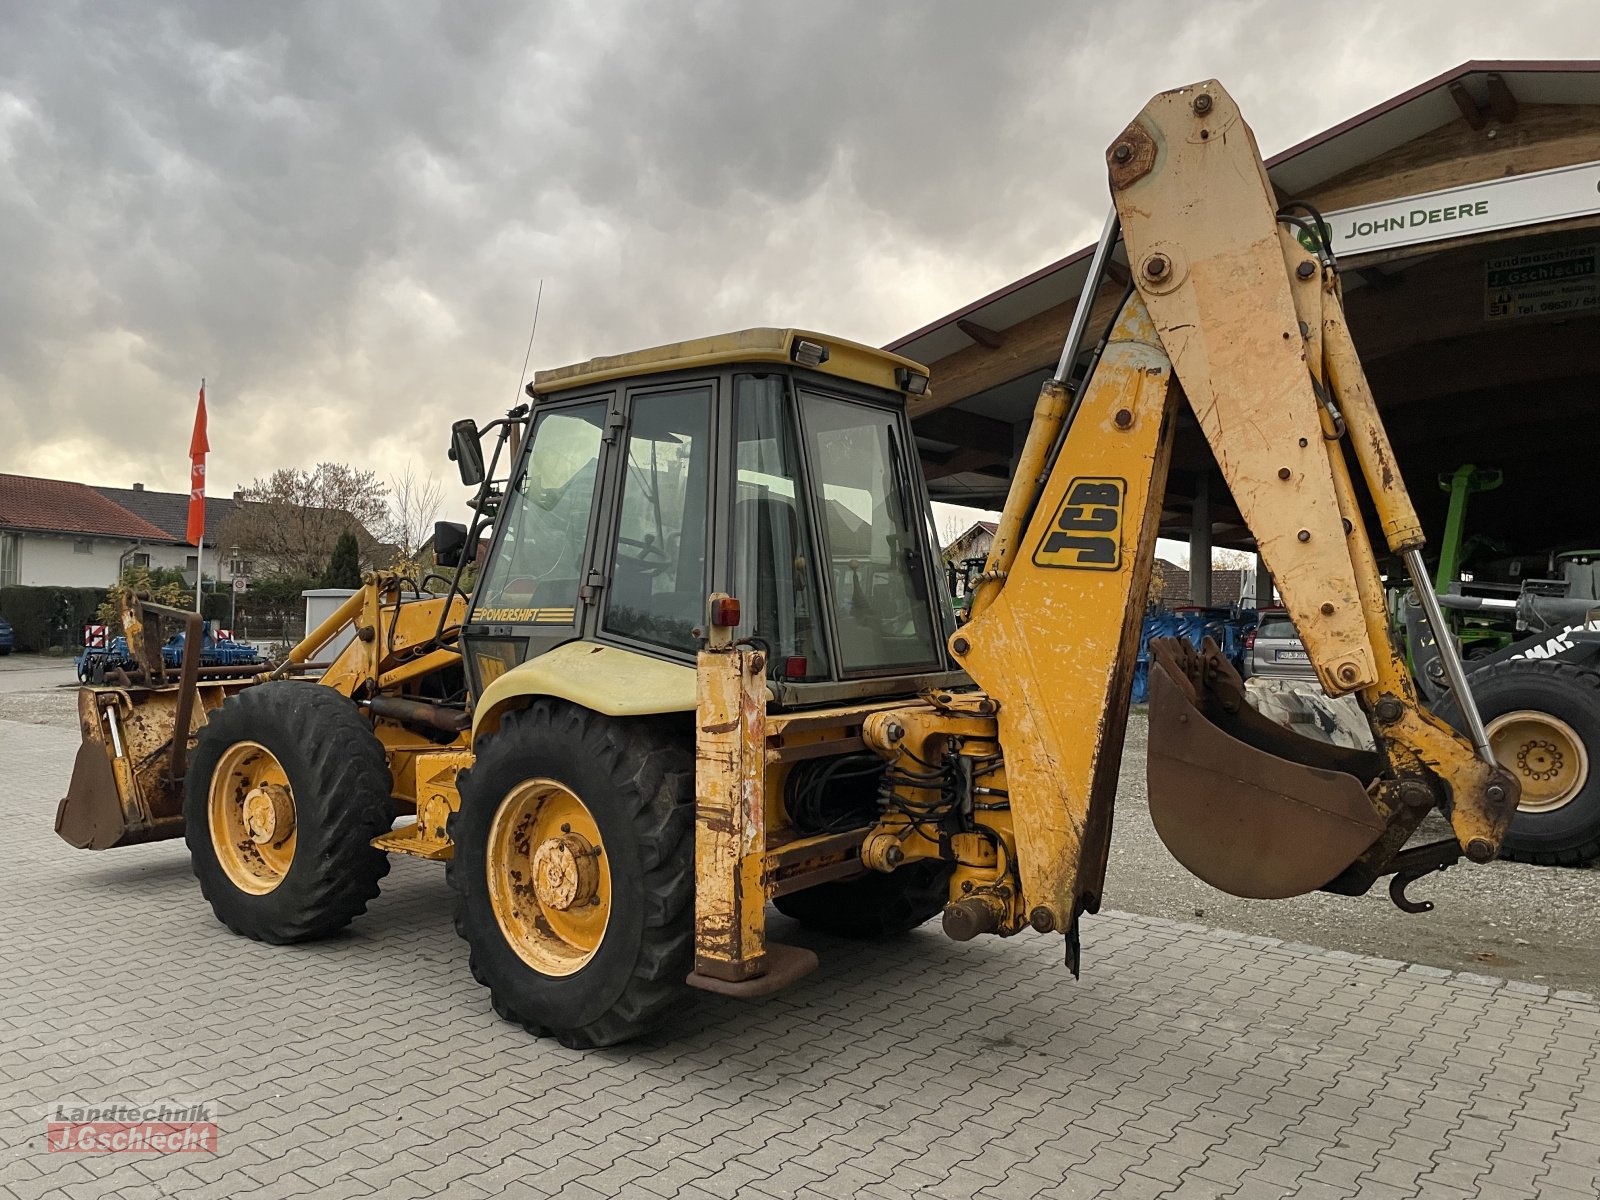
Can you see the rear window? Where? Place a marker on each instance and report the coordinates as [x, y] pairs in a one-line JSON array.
[[1279, 628]]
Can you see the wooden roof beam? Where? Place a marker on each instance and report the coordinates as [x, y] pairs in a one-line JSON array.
[[1032, 344], [1502, 103], [962, 461], [981, 334], [967, 429], [1468, 106]]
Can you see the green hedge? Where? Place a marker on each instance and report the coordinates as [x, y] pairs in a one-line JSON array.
[[49, 618], [273, 610]]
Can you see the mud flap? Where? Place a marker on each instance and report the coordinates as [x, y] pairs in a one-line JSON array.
[[1246, 805]]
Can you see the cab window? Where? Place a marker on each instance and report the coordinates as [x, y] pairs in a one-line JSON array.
[[538, 564], [871, 533], [657, 588], [772, 560]]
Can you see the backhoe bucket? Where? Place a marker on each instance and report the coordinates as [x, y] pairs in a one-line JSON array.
[[1248, 806]]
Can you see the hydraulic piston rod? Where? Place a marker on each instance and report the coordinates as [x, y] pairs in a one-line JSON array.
[[1449, 654]]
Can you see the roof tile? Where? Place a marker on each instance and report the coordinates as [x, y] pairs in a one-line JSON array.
[[169, 510], [60, 506]]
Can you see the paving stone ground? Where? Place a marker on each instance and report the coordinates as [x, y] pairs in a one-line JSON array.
[[1187, 1063]]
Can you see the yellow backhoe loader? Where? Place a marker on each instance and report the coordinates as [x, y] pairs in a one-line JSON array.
[[706, 664]]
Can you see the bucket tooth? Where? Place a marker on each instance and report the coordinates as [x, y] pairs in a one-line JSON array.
[[1246, 805]]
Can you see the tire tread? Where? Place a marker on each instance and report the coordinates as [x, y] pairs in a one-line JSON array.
[[655, 789], [349, 801]]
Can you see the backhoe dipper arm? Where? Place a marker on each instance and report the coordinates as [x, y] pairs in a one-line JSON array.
[[1232, 315]]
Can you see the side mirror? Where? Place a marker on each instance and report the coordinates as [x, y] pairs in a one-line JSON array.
[[449, 542], [466, 451]]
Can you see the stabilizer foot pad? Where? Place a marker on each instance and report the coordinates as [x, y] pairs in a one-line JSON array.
[[784, 965]]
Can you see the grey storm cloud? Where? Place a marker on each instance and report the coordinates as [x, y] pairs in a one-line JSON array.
[[339, 213]]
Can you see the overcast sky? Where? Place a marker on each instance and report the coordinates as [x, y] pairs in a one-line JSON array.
[[339, 213]]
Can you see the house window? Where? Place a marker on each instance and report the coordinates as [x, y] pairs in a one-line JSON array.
[[82, 546], [141, 560], [191, 563], [8, 560]]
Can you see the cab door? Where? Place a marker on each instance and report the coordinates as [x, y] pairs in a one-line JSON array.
[[657, 568], [537, 582]]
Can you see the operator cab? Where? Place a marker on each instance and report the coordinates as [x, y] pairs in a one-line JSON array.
[[772, 464]]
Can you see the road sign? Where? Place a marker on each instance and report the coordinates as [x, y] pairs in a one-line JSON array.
[[241, 583]]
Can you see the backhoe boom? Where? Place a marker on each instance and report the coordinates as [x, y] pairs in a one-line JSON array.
[[1231, 315]]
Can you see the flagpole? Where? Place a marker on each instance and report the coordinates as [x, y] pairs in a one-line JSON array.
[[200, 542]]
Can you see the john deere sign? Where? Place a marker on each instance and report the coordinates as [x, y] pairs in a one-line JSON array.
[[1504, 203]]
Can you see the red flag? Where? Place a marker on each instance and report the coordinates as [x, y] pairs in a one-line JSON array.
[[197, 472]]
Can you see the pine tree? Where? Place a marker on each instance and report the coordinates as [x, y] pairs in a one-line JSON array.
[[344, 568]]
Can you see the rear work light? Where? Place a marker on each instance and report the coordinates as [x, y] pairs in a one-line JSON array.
[[808, 353], [910, 382]]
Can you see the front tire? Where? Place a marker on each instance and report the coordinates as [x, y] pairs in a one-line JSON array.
[[574, 872], [286, 789], [1543, 720]]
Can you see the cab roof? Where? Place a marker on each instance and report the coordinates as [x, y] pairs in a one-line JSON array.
[[846, 360]]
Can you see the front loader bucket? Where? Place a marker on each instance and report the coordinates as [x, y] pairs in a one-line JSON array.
[[90, 816], [123, 792], [1248, 806]]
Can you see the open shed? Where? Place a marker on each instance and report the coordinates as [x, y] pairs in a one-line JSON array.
[[1466, 219]]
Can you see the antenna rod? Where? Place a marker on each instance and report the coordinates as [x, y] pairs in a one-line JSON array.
[[528, 357]]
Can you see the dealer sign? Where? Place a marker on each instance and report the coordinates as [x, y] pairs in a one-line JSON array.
[[1504, 203]]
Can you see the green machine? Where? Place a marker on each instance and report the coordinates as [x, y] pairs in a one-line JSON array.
[[1534, 648]]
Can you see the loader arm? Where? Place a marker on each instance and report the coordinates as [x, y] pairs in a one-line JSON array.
[[1231, 316]]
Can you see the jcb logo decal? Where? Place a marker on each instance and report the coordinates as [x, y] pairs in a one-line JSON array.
[[1087, 532]]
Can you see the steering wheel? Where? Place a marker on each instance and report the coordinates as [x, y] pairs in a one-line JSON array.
[[648, 551]]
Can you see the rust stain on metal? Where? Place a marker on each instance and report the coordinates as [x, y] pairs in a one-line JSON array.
[[1131, 157]]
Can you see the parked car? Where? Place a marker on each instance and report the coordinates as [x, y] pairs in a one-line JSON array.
[[1273, 649], [7, 639]]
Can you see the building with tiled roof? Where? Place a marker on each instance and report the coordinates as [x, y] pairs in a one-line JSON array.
[[54, 532], [57, 533], [60, 506], [169, 511]]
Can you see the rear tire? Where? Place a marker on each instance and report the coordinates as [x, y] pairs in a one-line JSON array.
[[1567, 834], [875, 905], [339, 784], [549, 966]]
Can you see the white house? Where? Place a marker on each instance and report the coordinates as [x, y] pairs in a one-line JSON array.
[[169, 512], [54, 532]]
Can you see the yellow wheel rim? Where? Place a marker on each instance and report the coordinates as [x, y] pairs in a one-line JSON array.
[[1544, 753], [549, 882], [252, 814]]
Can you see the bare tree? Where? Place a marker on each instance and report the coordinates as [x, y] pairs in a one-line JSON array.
[[953, 520], [1158, 582], [288, 523], [414, 502]]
